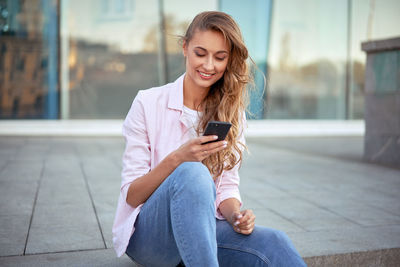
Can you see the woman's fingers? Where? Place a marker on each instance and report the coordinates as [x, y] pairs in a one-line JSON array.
[[245, 225], [205, 150], [248, 229], [197, 150], [215, 147], [206, 138], [244, 222], [247, 217], [246, 232]]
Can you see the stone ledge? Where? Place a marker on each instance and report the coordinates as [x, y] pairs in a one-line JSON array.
[[381, 45], [385, 257], [113, 128]]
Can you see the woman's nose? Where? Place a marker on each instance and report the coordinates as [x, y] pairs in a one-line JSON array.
[[208, 64]]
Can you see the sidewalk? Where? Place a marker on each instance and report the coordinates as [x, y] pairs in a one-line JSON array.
[[58, 197]]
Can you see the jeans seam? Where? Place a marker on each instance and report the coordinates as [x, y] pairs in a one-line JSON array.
[[248, 250]]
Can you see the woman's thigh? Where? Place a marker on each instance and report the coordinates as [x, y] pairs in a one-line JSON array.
[[153, 240], [263, 247], [165, 215]]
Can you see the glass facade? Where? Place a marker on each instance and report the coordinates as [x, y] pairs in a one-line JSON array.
[[29, 59], [254, 21], [307, 63], [74, 59], [370, 20], [107, 58], [177, 17]]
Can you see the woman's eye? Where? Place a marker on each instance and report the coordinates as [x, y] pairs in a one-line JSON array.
[[220, 58], [199, 55]]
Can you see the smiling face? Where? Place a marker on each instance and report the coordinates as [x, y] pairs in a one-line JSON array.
[[207, 55]]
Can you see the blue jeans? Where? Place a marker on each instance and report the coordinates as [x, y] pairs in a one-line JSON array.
[[177, 223]]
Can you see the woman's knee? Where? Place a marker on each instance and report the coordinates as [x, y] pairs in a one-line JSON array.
[[195, 177], [192, 166], [277, 238], [279, 248]]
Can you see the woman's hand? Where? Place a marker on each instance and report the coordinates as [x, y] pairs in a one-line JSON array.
[[243, 222], [195, 150]]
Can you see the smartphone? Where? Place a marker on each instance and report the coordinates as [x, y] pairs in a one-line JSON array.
[[219, 128]]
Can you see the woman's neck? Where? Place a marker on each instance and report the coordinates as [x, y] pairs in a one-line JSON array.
[[193, 95]]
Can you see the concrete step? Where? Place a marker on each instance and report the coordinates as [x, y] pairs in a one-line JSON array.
[[373, 258]]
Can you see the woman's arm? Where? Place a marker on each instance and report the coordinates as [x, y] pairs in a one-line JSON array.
[[228, 196], [229, 207], [142, 188]]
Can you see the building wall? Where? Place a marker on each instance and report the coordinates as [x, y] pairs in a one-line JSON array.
[[309, 52], [28, 59]]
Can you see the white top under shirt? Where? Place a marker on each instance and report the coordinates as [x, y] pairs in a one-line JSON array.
[[192, 117]]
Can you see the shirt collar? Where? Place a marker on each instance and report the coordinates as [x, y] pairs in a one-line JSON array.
[[175, 100]]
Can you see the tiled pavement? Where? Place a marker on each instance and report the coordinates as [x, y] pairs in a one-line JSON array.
[[58, 197]]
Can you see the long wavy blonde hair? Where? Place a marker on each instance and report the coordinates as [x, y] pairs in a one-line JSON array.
[[227, 99]]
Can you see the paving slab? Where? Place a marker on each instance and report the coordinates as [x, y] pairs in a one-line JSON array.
[[307, 215], [366, 215], [268, 218], [13, 234], [337, 209], [346, 240], [18, 186], [63, 218], [249, 202], [100, 258], [257, 188], [104, 178], [347, 148]]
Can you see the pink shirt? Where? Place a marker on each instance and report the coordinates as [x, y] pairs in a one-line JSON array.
[[153, 128]]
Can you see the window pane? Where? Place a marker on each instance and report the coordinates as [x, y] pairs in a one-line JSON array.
[[254, 22], [28, 59], [371, 19], [308, 51], [112, 53], [178, 15]]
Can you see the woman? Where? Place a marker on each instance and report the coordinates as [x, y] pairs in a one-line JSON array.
[[179, 198]]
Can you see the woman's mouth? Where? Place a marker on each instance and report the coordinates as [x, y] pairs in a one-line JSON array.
[[205, 76]]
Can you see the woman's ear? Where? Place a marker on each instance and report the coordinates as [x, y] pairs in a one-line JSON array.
[[184, 48]]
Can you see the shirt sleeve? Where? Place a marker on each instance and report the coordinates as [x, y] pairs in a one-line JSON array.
[[229, 185], [136, 157]]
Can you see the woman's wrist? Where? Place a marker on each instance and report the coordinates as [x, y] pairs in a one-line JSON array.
[[175, 158], [232, 216], [229, 207]]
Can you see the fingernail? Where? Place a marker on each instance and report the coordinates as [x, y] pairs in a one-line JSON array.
[[239, 216], [236, 223], [215, 136], [225, 143]]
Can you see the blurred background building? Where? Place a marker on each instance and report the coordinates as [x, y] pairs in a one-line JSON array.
[[86, 59]]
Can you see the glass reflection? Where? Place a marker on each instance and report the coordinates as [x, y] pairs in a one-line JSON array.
[[178, 15], [254, 21], [113, 53], [113, 48], [28, 59], [307, 60], [370, 20]]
